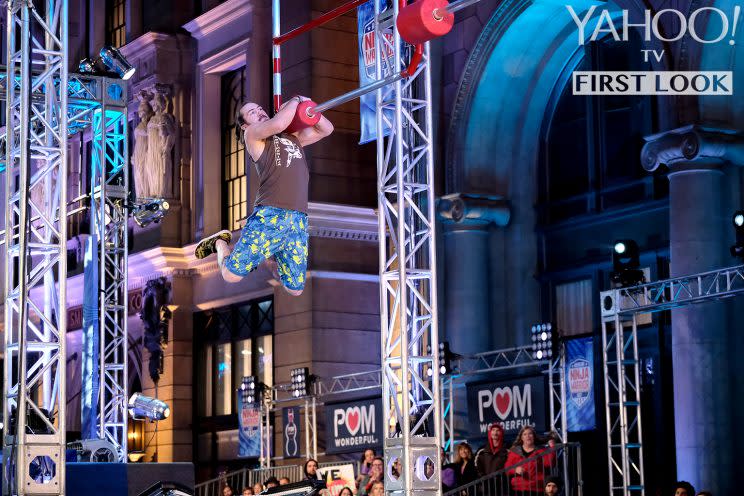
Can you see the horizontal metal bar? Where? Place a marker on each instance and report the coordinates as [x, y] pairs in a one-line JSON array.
[[459, 5], [319, 21], [347, 97]]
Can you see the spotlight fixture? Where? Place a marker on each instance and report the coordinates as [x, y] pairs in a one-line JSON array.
[[542, 341], [144, 407], [115, 62], [110, 62], [249, 389], [737, 250], [300, 379], [149, 210], [626, 264]]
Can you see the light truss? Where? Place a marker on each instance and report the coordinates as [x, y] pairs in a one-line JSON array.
[[34, 399], [109, 193], [100, 103], [408, 292], [620, 308]]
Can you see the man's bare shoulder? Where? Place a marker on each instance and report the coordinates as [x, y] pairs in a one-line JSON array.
[[255, 148]]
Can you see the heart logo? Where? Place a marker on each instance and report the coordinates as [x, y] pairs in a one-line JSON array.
[[502, 404], [352, 420]]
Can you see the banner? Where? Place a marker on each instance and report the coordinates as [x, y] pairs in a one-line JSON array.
[[338, 477], [353, 426], [249, 429], [513, 403], [367, 70], [292, 430], [580, 384]]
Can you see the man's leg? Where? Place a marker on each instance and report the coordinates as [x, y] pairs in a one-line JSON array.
[[292, 259], [223, 251]]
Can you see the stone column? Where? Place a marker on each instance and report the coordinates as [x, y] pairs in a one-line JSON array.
[[704, 394], [467, 219]]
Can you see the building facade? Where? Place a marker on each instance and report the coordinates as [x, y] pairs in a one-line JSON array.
[[555, 179]]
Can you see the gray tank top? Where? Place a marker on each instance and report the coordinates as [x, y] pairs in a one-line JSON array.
[[283, 174]]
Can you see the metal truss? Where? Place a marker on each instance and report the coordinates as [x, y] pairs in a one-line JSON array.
[[349, 383], [408, 293], [494, 361], [311, 428], [620, 309], [100, 103], [34, 399], [673, 293], [109, 193]]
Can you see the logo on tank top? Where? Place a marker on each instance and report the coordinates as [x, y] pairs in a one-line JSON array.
[[293, 151]]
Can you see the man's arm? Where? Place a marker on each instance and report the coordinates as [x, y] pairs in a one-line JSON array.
[[277, 124], [310, 135]]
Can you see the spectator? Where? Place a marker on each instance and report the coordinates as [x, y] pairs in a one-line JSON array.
[[271, 482], [492, 457], [247, 491], [464, 465], [683, 488], [553, 486], [227, 490], [346, 492], [366, 461], [284, 481], [311, 469], [378, 489], [528, 479], [257, 488], [376, 474]]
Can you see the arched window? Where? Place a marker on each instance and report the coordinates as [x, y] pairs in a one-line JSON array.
[[591, 145]]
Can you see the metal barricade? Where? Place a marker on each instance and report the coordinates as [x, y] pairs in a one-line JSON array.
[[531, 475], [248, 477]]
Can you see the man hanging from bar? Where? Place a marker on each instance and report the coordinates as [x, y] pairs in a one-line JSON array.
[[276, 233]]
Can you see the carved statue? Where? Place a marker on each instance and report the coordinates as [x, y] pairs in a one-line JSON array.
[[161, 136], [142, 181]]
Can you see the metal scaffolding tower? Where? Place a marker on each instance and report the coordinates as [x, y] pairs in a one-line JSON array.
[[34, 399], [408, 294], [620, 309], [109, 193]]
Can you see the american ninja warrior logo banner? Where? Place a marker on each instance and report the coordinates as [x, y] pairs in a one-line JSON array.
[[353, 426], [656, 29], [513, 403]]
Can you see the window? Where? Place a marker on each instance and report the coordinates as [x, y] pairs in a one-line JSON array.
[[235, 192], [236, 341], [573, 307], [592, 147], [116, 27]]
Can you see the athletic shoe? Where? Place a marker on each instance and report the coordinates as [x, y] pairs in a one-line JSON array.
[[207, 246]]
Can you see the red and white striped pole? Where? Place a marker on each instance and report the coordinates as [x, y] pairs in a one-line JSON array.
[[276, 55]]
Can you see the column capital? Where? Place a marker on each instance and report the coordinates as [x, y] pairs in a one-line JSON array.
[[475, 210], [693, 146]]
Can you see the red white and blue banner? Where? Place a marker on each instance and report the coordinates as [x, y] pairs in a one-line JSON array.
[[367, 70], [580, 414], [249, 429]]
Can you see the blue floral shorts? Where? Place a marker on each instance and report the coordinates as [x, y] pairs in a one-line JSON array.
[[273, 231]]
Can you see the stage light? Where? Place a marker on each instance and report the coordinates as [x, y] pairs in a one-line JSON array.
[[737, 250], [144, 407], [542, 341], [115, 62], [626, 264], [300, 379], [149, 210], [249, 389]]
